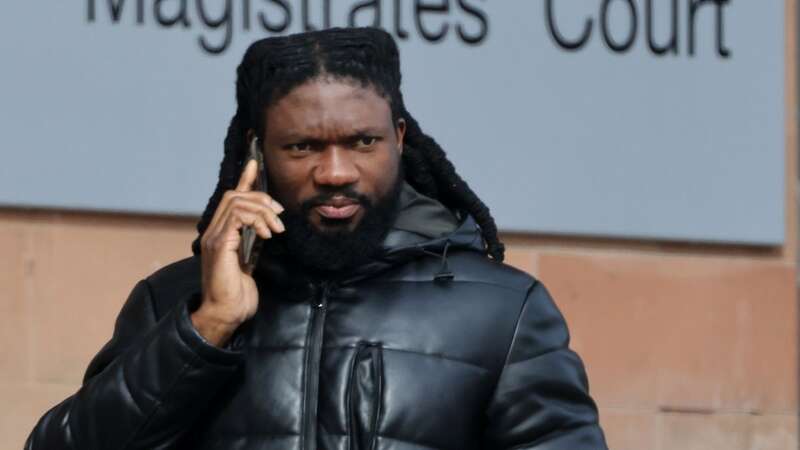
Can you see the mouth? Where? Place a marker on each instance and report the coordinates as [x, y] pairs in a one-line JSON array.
[[338, 208]]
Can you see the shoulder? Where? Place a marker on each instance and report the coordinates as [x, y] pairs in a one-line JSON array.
[[471, 271], [474, 267], [174, 282], [537, 321]]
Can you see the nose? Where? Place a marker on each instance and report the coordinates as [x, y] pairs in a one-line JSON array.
[[336, 168]]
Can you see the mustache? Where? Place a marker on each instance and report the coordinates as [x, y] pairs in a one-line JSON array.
[[326, 197]]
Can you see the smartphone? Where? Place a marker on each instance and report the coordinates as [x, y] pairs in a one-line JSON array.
[[251, 242]]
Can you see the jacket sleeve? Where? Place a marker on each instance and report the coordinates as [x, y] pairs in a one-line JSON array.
[[144, 388], [542, 400]]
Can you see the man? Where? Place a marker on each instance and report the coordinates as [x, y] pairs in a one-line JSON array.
[[379, 315]]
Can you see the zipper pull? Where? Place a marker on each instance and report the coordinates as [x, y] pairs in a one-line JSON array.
[[321, 297]]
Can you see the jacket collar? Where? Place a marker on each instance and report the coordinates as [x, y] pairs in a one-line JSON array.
[[423, 228]]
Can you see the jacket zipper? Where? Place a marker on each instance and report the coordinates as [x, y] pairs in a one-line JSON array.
[[319, 305]]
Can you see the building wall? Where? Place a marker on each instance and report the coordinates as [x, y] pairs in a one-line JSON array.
[[687, 346]]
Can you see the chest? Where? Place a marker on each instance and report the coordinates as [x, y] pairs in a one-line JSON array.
[[383, 365]]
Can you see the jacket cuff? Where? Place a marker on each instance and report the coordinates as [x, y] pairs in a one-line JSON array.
[[197, 343]]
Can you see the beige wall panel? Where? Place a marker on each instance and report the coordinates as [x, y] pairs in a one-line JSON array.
[[726, 431], [681, 332], [15, 321], [629, 430], [81, 268], [774, 432], [703, 432]]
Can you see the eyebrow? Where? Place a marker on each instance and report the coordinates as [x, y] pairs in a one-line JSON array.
[[297, 136]]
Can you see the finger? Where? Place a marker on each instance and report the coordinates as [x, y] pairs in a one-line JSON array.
[[235, 222], [263, 198], [255, 205], [277, 207], [230, 197], [261, 227], [220, 214], [273, 221], [224, 239], [224, 226], [269, 216], [248, 176]]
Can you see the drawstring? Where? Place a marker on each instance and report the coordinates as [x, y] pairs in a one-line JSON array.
[[444, 273]]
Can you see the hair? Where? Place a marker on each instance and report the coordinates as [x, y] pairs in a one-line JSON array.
[[273, 66]]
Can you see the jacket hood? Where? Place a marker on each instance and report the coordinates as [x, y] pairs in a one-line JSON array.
[[424, 227], [423, 222]]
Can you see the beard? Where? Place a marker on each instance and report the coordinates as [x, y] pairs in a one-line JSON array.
[[326, 252]]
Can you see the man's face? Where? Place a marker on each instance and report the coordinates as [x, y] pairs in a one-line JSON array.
[[332, 149]]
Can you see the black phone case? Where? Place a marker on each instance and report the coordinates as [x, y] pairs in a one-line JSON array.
[[251, 243]]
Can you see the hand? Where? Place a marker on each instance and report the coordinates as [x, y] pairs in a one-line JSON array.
[[230, 296]]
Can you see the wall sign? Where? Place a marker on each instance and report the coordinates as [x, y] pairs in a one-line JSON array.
[[629, 118]]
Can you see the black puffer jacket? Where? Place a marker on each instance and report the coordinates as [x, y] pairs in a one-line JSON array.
[[433, 347]]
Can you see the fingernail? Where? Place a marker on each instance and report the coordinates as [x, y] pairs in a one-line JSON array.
[[277, 207], [281, 227]]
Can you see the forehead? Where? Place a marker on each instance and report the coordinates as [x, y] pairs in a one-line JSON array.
[[327, 106]]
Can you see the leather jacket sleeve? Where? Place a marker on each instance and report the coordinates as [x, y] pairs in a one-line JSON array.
[[542, 397], [144, 388]]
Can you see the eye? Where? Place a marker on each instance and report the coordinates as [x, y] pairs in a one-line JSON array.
[[365, 141], [300, 147]]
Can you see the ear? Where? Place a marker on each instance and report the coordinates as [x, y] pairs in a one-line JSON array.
[[400, 132]]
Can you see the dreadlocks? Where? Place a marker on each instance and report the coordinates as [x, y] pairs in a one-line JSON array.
[[273, 66]]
